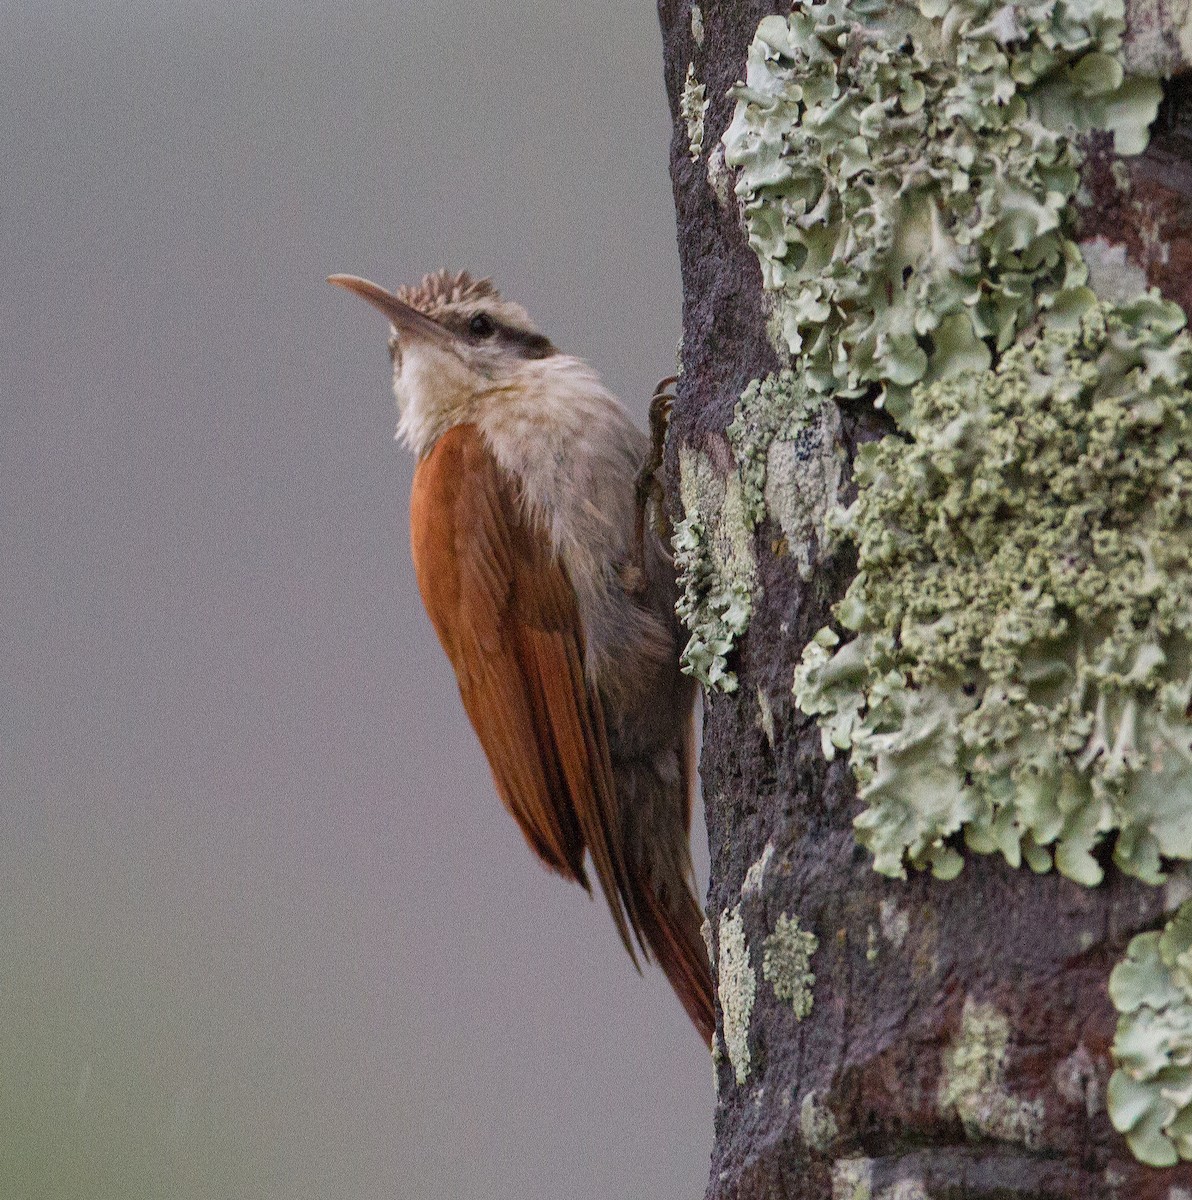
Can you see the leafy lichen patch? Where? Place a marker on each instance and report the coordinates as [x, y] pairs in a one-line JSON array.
[[1020, 668], [787, 962], [737, 985], [693, 105], [906, 182], [716, 568], [973, 1080], [1150, 1093]]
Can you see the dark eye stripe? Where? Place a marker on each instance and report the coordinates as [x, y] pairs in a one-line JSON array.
[[525, 343], [522, 342]]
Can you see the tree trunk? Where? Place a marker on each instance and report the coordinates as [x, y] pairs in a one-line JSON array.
[[900, 1039]]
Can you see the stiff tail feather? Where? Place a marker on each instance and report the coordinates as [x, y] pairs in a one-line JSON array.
[[670, 926]]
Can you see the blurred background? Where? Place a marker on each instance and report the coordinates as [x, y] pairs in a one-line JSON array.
[[265, 930]]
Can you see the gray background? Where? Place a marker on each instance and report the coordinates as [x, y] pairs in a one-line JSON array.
[[266, 931]]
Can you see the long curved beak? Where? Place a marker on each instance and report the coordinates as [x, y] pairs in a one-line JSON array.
[[406, 320]]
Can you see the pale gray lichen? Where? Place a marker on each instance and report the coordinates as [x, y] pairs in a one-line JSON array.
[[905, 1189], [720, 178], [973, 1080], [716, 568], [1150, 1094], [787, 443], [697, 24], [789, 463], [787, 961], [852, 1179], [737, 987], [765, 716], [906, 174], [693, 105], [756, 875], [817, 1123], [1078, 1080], [1159, 41], [1112, 275], [1020, 666], [896, 923]]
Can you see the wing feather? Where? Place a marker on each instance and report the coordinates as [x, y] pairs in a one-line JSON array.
[[507, 617]]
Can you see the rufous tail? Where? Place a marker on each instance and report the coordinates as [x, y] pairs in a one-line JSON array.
[[670, 926]]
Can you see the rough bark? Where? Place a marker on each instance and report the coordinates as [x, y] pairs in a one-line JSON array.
[[897, 962]]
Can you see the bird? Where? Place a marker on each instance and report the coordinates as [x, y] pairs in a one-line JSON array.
[[552, 591]]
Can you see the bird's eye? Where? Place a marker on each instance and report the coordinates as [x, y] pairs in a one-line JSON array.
[[481, 325]]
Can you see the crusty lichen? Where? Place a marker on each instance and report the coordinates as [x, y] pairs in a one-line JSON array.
[[973, 1080], [786, 440], [1150, 1094], [697, 25], [788, 463], [852, 1179], [787, 961], [1020, 662], [716, 568], [737, 986], [817, 1123], [693, 105], [907, 182], [895, 922], [720, 178], [1017, 669]]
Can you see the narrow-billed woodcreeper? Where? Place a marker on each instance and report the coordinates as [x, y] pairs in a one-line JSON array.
[[553, 593]]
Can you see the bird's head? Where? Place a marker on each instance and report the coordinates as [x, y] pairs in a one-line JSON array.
[[454, 343]]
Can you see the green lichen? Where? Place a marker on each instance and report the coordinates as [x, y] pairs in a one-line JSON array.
[[1016, 669], [786, 964], [737, 987], [1150, 1094], [906, 175], [1020, 662], [693, 104], [716, 568], [790, 458], [788, 463], [973, 1080]]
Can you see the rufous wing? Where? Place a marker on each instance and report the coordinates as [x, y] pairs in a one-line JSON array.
[[507, 617]]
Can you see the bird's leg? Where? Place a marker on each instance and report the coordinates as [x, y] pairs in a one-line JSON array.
[[651, 500]]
